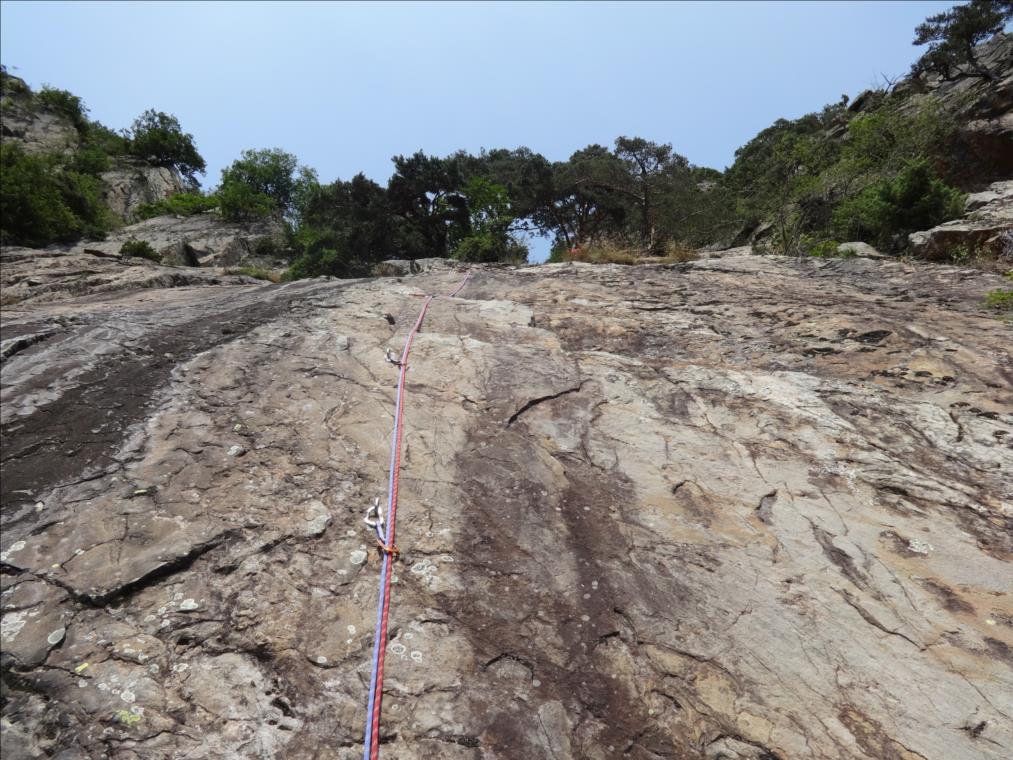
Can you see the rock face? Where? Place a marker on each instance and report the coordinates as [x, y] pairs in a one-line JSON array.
[[199, 240], [984, 112], [37, 128], [133, 183], [987, 227], [30, 275], [746, 507]]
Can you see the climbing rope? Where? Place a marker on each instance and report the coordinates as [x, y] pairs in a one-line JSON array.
[[384, 530]]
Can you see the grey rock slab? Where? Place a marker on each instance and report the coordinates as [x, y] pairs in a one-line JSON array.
[[743, 507]]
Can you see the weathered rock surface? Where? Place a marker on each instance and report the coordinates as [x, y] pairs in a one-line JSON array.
[[29, 275], [746, 507], [199, 240], [987, 227], [132, 183], [38, 128]]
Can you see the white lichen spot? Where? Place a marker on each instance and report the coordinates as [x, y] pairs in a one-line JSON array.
[[397, 648], [153, 668], [127, 696], [82, 683], [177, 596], [11, 625], [536, 683], [180, 667], [321, 660], [351, 630], [585, 618], [13, 548], [594, 584], [919, 547], [56, 636], [416, 655], [357, 557], [188, 605]]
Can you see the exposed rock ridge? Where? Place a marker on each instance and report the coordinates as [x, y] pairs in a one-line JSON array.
[[747, 507]]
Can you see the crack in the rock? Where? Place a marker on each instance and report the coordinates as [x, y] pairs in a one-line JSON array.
[[541, 399]]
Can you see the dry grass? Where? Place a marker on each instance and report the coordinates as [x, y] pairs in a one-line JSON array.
[[605, 252], [271, 275], [618, 252], [677, 253]]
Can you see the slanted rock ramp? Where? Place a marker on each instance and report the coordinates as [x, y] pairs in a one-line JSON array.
[[747, 507]]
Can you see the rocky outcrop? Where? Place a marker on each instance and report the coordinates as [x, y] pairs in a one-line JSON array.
[[201, 240], [29, 275], [133, 182], [980, 153], [748, 507], [38, 128], [987, 228], [401, 267], [35, 129]]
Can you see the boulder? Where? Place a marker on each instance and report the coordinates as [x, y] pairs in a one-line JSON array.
[[987, 227], [402, 267]]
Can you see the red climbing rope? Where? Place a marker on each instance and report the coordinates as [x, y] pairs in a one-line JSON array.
[[371, 741]]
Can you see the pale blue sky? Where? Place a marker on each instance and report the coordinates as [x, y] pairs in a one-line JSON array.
[[345, 86]]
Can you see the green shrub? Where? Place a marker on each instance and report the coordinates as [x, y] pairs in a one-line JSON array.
[[157, 137], [240, 202], [488, 247], [913, 200], [180, 204], [140, 249], [821, 249], [66, 104], [263, 182], [42, 202], [106, 140], [1000, 299], [91, 160]]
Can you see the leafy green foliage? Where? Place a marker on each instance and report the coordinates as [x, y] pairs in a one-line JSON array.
[[487, 237], [953, 35], [345, 227], [158, 138], [43, 202], [913, 200], [265, 182], [66, 104], [106, 140], [180, 204], [1001, 299], [141, 249]]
